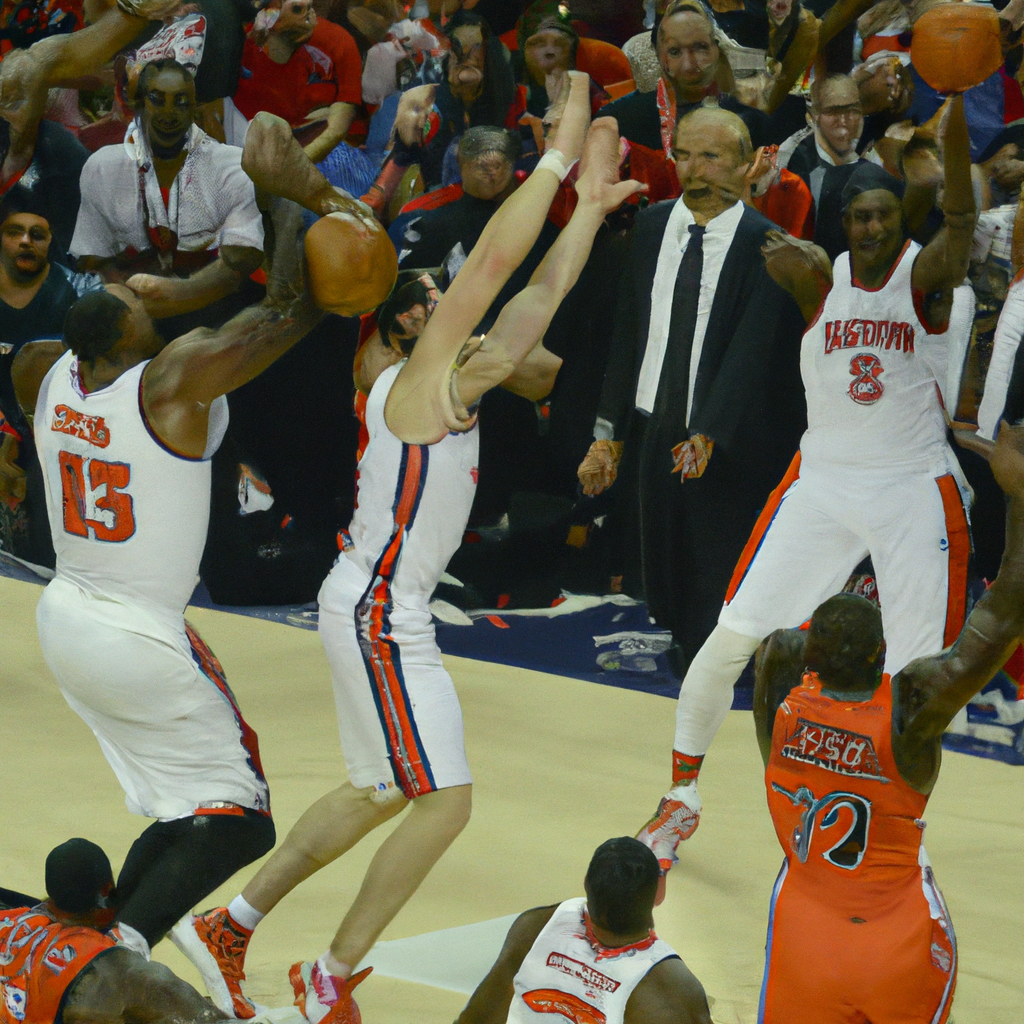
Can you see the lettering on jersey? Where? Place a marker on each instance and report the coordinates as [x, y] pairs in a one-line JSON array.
[[94, 499], [884, 334], [550, 1000], [58, 957], [77, 424], [837, 750], [583, 972], [866, 387]]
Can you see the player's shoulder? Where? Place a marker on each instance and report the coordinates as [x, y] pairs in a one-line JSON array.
[[527, 926], [668, 994]]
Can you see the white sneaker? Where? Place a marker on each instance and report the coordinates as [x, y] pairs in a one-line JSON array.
[[677, 819]]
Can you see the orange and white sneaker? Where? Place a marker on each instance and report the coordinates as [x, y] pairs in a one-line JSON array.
[[215, 942], [677, 819], [323, 998]]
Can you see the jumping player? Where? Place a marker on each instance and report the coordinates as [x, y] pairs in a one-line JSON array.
[[399, 716], [858, 929], [125, 429], [874, 474], [595, 959]]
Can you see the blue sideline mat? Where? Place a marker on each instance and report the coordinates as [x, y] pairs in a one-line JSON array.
[[611, 641]]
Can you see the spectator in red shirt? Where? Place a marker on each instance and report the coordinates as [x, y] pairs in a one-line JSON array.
[[303, 70]]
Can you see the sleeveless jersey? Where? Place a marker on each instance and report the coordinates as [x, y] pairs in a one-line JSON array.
[[850, 826], [39, 959], [569, 974], [127, 514], [413, 500], [867, 363]]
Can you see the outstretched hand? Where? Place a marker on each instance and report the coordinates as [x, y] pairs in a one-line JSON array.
[[598, 181], [23, 89], [572, 114], [1005, 455]]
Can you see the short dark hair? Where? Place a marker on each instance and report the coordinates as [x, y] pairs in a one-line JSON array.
[[843, 641], [20, 200], [151, 70], [77, 872], [621, 883], [410, 290], [486, 138], [94, 324]]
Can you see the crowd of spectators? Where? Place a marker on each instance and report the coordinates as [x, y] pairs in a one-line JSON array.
[[124, 166]]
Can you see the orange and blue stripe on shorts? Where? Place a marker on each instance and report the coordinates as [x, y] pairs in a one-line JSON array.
[[211, 667], [381, 652]]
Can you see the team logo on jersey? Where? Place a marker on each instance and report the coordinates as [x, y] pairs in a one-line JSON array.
[[887, 334], [582, 972], [550, 1000], [838, 750], [866, 387], [89, 428], [14, 999]]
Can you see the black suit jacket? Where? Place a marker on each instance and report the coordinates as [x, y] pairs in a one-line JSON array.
[[748, 396]]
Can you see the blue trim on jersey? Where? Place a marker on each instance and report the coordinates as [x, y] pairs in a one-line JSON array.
[[764, 537], [776, 889]]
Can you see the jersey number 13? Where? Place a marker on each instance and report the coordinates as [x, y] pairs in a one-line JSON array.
[[94, 498]]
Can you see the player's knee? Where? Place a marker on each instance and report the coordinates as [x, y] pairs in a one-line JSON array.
[[386, 799], [454, 806]]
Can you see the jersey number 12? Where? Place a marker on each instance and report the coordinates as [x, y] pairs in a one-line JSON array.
[[94, 498]]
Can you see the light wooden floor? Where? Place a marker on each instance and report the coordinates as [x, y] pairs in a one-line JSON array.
[[560, 765]]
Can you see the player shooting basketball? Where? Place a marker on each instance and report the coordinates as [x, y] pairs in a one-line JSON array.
[[399, 716]]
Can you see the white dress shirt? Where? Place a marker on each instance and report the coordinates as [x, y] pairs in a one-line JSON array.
[[718, 236]]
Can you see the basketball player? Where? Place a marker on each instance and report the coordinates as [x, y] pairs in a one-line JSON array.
[[399, 716], [858, 928], [874, 474], [595, 959], [125, 429]]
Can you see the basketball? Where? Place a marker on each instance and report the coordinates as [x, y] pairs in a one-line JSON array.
[[956, 46], [352, 264]]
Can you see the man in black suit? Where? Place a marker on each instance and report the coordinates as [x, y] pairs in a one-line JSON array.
[[703, 385]]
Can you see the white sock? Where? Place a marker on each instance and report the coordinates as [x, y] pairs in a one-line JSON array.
[[244, 914], [335, 968], [706, 694], [133, 939]]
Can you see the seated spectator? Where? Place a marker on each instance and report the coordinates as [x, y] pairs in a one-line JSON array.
[[35, 293], [691, 62], [169, 203], [302, 69], [39, 160]]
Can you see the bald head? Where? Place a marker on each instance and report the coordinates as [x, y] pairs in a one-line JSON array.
[[713, 154], [724, 120]]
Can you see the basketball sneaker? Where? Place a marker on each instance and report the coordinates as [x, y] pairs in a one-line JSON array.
[[677, 819], [322, 998], [216, 944]]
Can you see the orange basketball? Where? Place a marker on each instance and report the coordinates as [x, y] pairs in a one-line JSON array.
[[352, 263], [956, 46]]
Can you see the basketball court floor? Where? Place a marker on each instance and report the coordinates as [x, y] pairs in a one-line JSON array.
[[560, 765]]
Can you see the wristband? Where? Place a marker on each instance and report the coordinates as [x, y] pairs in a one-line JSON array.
[[553, 160]]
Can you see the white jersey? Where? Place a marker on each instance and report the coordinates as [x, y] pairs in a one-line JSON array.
[[565, 974], [128, 515], [871, 372], [413, 501]]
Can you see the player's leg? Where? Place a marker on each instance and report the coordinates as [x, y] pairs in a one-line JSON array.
[[797, 555], [920, 544]]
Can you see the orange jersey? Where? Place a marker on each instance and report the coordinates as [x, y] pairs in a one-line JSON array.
[[850, 826], [39, 959]]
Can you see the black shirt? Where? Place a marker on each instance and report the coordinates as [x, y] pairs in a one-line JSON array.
[[639, 122]]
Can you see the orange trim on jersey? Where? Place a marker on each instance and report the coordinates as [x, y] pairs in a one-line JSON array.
[[892, 270], [959, 540], [764, 520], [408, 758], [1018, 276], [234, 810]]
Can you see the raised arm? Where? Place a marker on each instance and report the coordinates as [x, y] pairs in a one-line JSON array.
[[802, 268], [414, 409], [942, 264], [490, 1003], [522, 323], [930, 691]]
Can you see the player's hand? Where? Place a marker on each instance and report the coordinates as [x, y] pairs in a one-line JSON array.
[[571, 114], [12, 476], [599, 469], [690, 458], [1005, 455], [598, 183], [414, 108], [788, 259], [158, 294]]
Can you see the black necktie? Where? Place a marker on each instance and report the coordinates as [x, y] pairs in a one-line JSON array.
[[674, 383]]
